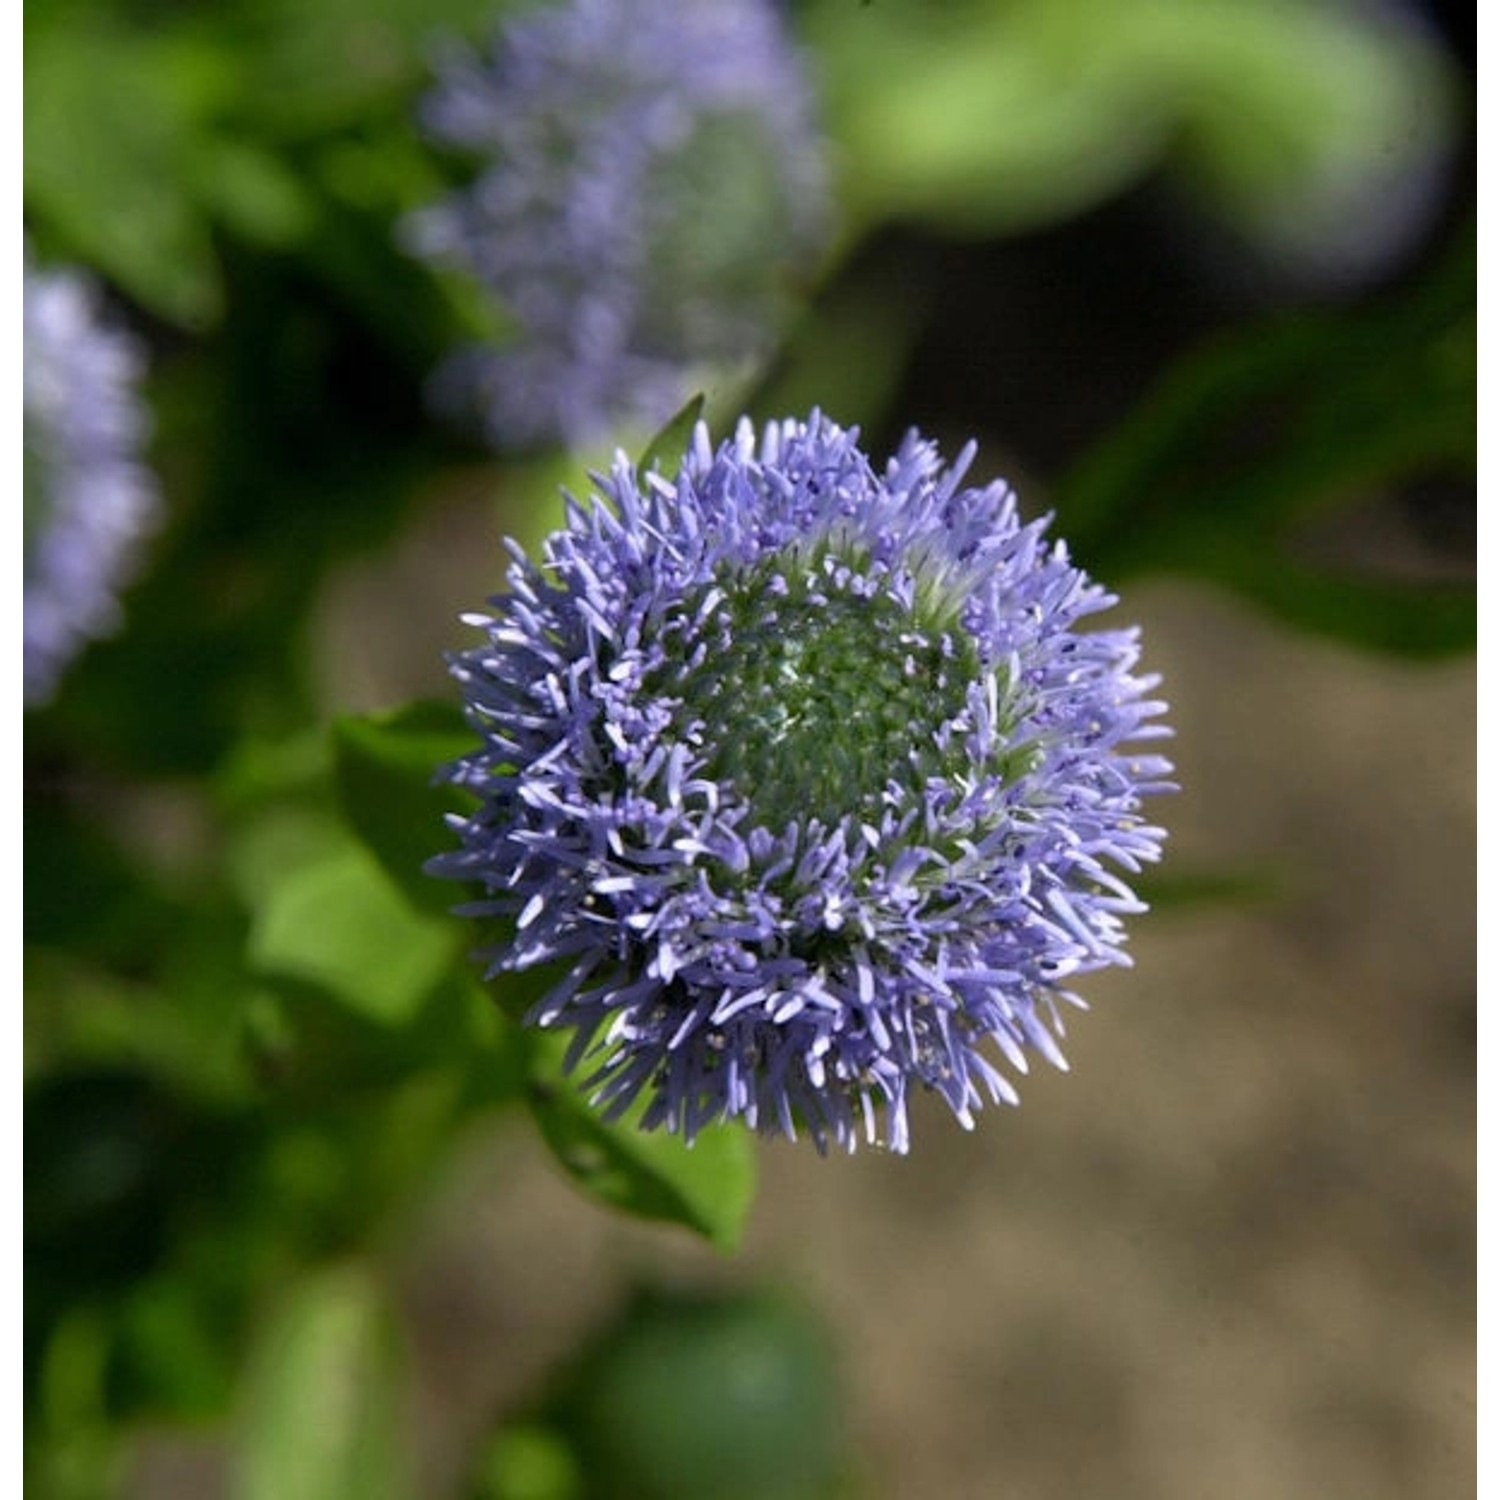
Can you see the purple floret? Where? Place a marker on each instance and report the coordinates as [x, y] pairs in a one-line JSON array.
[[808, 777], [87, 497]]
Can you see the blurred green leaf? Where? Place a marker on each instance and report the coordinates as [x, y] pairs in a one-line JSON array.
[[113, 119], [1001, 120], [144, 135], [261, 770], [1175, 889], [1295, 118], [278, 838], [1012, 115], [1405, 620], [327, 1019], [337, 922], [734, 1395], [1245, 442], [183, 1025], [322, 1416], [708, 1187], [530, 1463], [121, 1170], [79, 1456], [253, 192], [384, 766], [171, 1359], [339, 62]]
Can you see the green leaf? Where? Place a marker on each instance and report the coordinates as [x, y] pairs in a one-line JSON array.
[[79, 1448], [1013, 115], [1192, 888], [175, 1360], [731, 1394], [1224, 468], [384, 766], [1403, 619], [322, 1411], [672, 441], [1003, 119], [1286, 415], [183, 1025], [343, 62], [113, 118], [338, 923], [708, 1186], [530, 1462], [254, 193]]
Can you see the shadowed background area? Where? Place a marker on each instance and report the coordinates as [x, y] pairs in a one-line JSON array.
[[291, 1227]]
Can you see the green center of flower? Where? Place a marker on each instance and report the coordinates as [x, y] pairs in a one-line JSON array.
[[817, 692]]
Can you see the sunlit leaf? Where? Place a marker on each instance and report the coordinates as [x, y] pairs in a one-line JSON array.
[[528, 1462], [339, 923], [112, 118], [708, 1186], [1011, 116], [322, 1407]]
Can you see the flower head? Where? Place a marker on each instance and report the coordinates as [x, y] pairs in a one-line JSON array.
[[86, 497], [807, 776], [650, 182]]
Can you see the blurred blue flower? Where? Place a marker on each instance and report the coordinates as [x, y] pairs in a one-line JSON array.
[[87, 499], [807, 777], [651, 187]]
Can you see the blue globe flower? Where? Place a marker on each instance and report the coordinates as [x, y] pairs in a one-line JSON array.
[[650, 186], [807, 778], [86, 497]]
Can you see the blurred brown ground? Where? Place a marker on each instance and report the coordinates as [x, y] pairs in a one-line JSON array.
[[1231, 1254]]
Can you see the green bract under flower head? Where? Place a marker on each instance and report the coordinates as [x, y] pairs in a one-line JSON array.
[[806, 773]]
